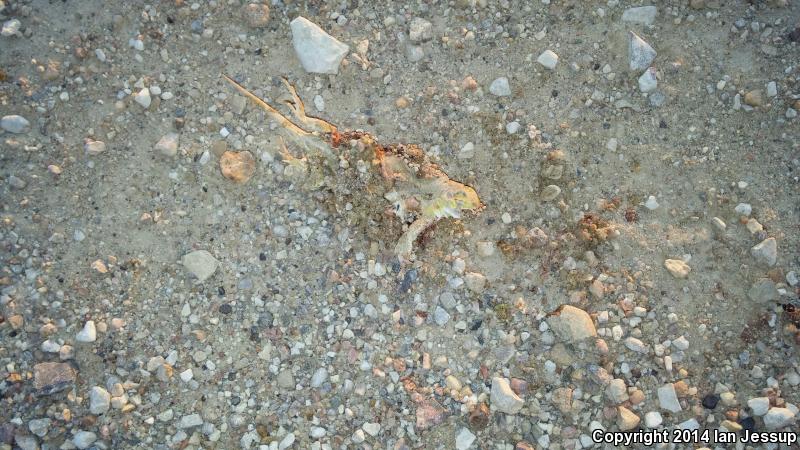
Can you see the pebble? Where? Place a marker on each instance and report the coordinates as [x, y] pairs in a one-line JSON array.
[[88, 333], [617, 391], [763, 291], [467, 151], [772, 89], [644, 15], [464, 439], [256, 15], [190, 420], [39, 427], [414, 53], [668, 399], [84, 439], [93, 147], [758, 405], [317, 51], [237, 166], [651, 203], [744, 209], [371, 428], [653, 419], [319, 377], [475, 282], [285, 379], [440, 316], [500, 87], [168, 144], [503, 398], [200, 263], [10, 27], [648, 81], [420, 30], [286, 442], [548, 59], [99, 400], [754, 98], [52, 377], [187, 375], [678, 268], [143, 98], [15, 124], [572, 324], [766, 252], [626, 419], [640, 53], [550, 192], [512, 127], [778, 418]]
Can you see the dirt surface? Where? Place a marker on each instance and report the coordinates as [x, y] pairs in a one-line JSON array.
[[309, 331]]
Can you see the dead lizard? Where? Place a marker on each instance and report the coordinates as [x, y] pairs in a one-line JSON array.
[[420, 192]]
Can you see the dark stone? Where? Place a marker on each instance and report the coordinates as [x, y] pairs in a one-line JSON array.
[[748, 423], [710, 401], [225, 308]]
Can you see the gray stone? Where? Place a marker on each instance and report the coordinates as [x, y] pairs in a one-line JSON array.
[[548, 59], [319, 377], [414, 53], [766, 252], [640, 53], [15, 124], [571, 324], [39, 427], [668, 399], [93, 147], [286, 379], [51, 377], [763, 291], [26, 442], [778, 418], [644, 15], [500, 87], [317, 51], [440, 316], [464, 439], [758, 405], [200, 263], [99, 400], [84, 439], [143, 98], [190, 420], [504, 399], [420, 30], [648, 81]]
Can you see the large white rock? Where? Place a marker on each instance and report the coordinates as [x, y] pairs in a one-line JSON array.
[[317, 51], [640, 53], [14, 124], [648, 81], [99, 400], [668, 399], [778, 418], [504, 399], [200, 263], [88, 333], [644, 15]]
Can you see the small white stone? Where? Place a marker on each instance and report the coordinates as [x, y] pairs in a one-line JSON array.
[[648, 81], [11, 27], [617, 391], [14, 124], [464, 439], [778, 418], [143, 98], [512, 127], [668, 399], [500, 87], [420, 30], [772, 89], [319, 103], [651, 203], [371, 428], [99, 400], [84, 439], [678, 268], [200, 263], [744, 209], [548, 59], [504, 399], [467, 151], [612, 144], [653, 419], [187, 375], [766, 252], [640, 53], [224, 132], [317, 51], [168, 144], [88, 333], [166, 95]]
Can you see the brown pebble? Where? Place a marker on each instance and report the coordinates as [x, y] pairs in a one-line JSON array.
[[237, 166], [479, 416], [256, 16], [218, 148], [754, 98], [681, 388], [401, 102], [522, 445], [51, 377], [519, 386]]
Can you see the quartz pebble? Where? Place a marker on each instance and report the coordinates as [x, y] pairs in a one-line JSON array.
[[759, 405], [644, 15], [88, 333], [640, 53], [168, 144], [84, 439], [464, 439], [317, 51], [648, 81], [503, 398], [92, 147], [668, 399], [572, 324], [500, 87], [548, 59], [99, 400], [238, 167], [766, 252], [777, 418], [200, 263], [420, 30], [626, 419], [143, 98]]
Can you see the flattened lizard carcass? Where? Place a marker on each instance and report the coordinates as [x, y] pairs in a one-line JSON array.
[[419, 191]]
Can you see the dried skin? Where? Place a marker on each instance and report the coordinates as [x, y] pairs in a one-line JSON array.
[[419, 191]]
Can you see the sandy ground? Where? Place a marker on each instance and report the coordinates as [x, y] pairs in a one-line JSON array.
[[310, 332]]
